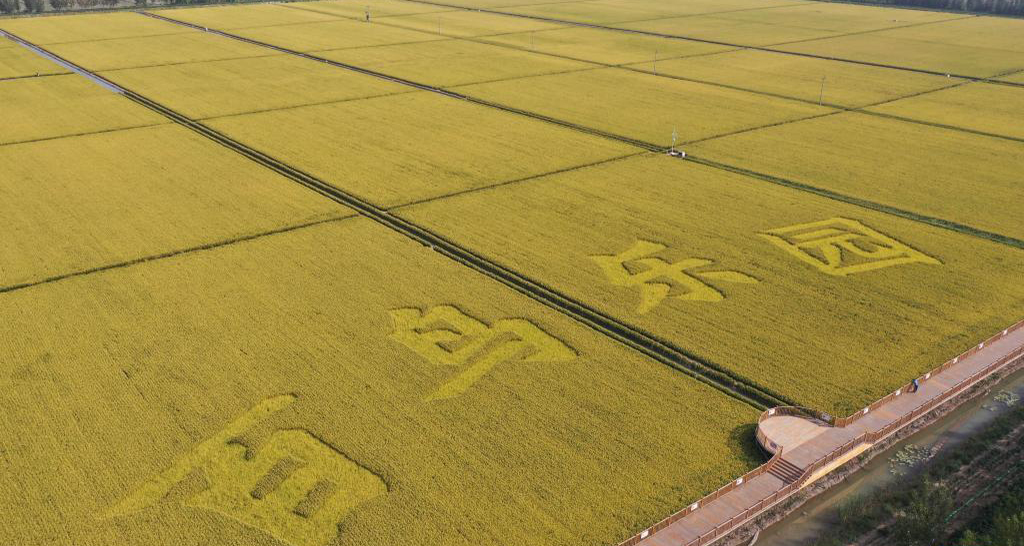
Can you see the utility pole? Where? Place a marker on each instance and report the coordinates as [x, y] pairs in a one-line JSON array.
[[439, 24], [821, 93], [656, 65], [675, 136]]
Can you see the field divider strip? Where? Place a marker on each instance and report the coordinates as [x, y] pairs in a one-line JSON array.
[[716, 42], [652, 147], [643, 342]]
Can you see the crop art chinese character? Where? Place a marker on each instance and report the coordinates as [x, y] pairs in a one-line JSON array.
[[841, 247]]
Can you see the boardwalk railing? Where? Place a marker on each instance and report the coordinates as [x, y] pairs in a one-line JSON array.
[[844, 421], [866, 437]]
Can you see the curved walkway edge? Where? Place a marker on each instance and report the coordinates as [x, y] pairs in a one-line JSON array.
[[807, 445]]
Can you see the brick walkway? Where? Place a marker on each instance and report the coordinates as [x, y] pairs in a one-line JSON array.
[[811, 449]]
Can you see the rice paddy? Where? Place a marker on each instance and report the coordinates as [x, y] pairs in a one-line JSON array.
[[430, 275]]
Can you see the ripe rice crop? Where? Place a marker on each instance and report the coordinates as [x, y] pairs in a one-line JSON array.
[[952, 175], [603, 46], [453, 62], [245, 16], [840, 18], [845, 84], [586, 12], [377, 8], [122, 195], [713, 274], [990, 108], [395, 150], [642, 106], [18, 62], [236, 86], [30, 111], [339, 34], [188, 384], [467, 23], [975, 46], [87, 27], [732, 31], [155, 50], [1018, 78], [695, 7]]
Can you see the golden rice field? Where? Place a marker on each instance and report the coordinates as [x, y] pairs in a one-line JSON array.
[[843, 84], [18, 62], [396, 150], [795, 314], [377, 8], [336, 34], [253, 15], [262, 347], [30, 112], [988, 108], [256, 298], [239, 86], [976, 46], [958, 176], [450, 63], [88, 210], [145, 51], [654, 108], [603, 47]]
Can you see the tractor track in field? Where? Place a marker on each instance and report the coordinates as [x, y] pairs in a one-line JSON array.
[[768, 49], [645, 343]]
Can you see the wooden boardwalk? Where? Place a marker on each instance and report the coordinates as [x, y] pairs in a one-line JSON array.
[[807, 449]]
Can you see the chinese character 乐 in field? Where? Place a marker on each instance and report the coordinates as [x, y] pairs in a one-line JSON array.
[[656, 278]]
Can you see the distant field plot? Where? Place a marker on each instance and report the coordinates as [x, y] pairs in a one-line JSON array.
[[82, 202], [40, 108], [642, 106], [709, 260], [244, 16], [453, 62], [155, 50], [468, 23], [587, 12], [699, 7], [395, 150], [334, 35], [494, 4], [222, 88], [991, 108], [845, 84], [85, 27], [377, 8], [977, 46], [841, 18], [18, 62], [731, 31], [173, 387], [604, 46], [948, 174]]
